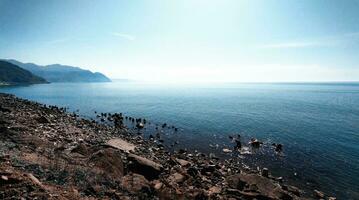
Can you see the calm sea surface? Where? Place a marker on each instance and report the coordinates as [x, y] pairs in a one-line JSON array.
[[318, 124]]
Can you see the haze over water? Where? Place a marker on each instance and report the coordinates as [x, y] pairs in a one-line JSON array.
[[318, 124]]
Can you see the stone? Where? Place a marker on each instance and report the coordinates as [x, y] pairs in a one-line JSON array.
[[135, 183], [257, 185], [5, 178], [182, 162], [225, 150], [265, 172], [319, 194], [42, 120], [109, 161], [158, 186], [176, 178], [80, 149], [121, 144], [255, 143], [140, 125], [214, 190], [148, 168]]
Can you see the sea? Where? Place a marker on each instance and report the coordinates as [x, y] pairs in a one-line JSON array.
[[317, 123]]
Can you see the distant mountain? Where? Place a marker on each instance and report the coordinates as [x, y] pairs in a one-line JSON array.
[[13, 74], [62, 73]]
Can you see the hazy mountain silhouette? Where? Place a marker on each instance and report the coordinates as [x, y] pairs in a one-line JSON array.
[[12, 74], [62, 73]]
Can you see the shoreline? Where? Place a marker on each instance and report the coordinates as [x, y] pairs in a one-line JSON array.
[[57, 154]]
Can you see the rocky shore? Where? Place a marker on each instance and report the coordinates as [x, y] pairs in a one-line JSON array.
[[48, 153]]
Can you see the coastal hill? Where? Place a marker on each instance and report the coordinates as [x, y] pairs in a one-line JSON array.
[[62, 73], [13, 74]]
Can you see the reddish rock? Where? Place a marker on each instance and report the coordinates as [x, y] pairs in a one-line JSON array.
[[108, 161], [135, 183]]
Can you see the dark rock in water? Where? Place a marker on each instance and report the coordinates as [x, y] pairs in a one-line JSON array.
[[319, 194], [164, 125], [135, 183], [148, 168], [109, 161], [265, 172], [257, 187], [278, 147], [255, 143], [43, 120], [238, 144], [139, 125]]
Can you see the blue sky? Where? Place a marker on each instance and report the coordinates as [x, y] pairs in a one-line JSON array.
[[188, 40]]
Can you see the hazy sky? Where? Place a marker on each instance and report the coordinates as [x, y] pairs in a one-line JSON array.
[[188, 40]]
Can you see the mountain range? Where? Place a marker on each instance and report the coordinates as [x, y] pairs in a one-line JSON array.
[[12, 74], [61, 73]]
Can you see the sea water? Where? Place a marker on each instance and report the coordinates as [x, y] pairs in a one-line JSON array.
[[318, 123]]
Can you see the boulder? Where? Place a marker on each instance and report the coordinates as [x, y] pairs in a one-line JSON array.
[[257, 186], [135, 183], [176, 178], [121, 144], [108, 161], [148, 168]]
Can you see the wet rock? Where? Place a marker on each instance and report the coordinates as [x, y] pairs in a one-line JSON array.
[[319, 194], [109, 161], [148, 168], [238, 144], [255, 143], [140, 125], [278, 147], [135, 183], [225, 150], [265, 172]]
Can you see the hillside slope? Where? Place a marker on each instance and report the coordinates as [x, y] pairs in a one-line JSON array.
[[13, 74], [62, 73]]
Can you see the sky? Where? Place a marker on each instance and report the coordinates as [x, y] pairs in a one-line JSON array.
[[188, 40]]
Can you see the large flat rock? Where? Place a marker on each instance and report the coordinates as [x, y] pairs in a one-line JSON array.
[[121, 144]]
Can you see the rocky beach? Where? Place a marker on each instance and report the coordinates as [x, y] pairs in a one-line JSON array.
[[49, 153]]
